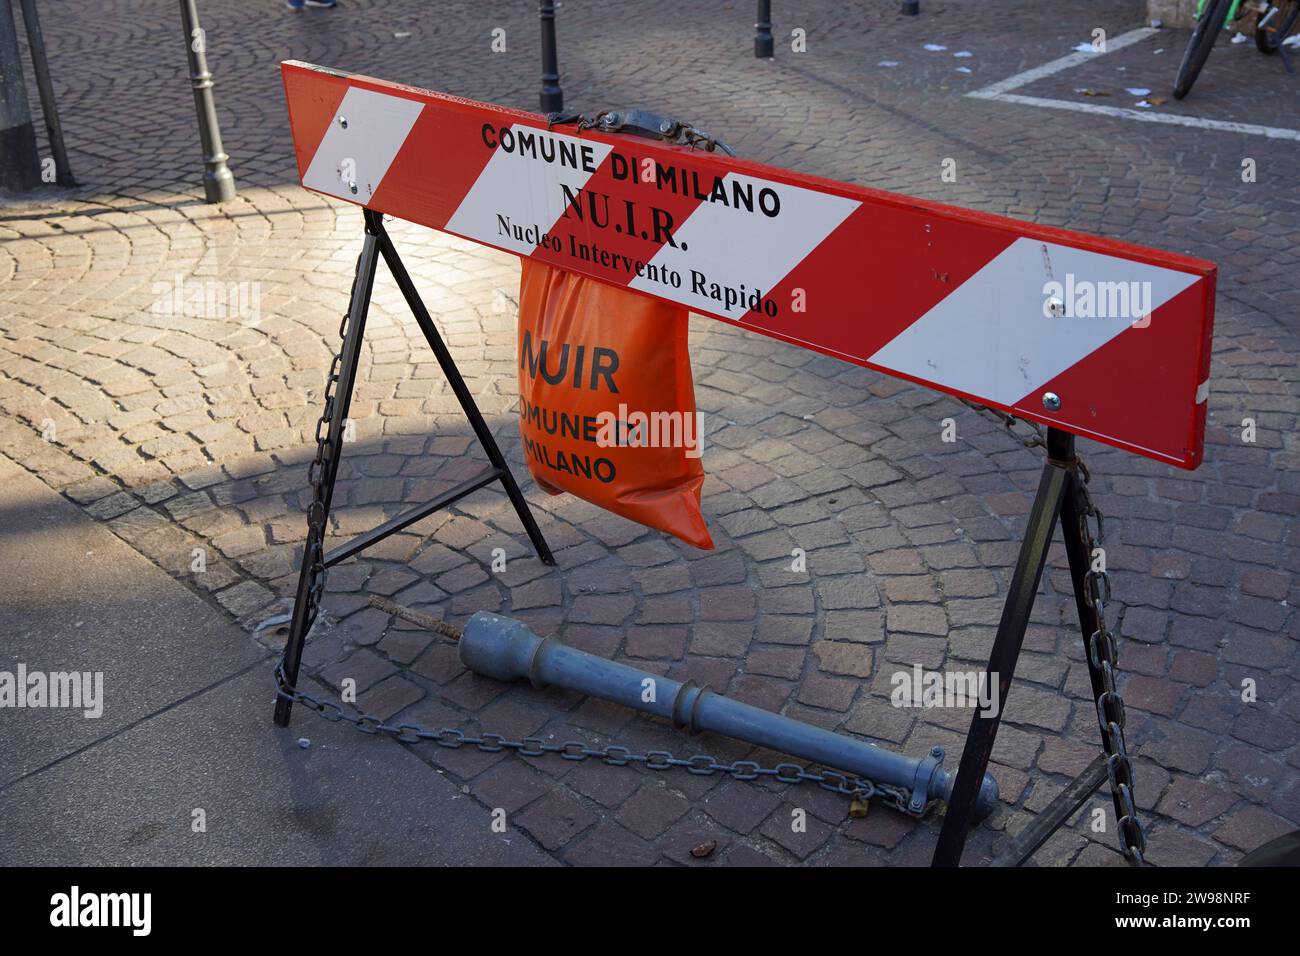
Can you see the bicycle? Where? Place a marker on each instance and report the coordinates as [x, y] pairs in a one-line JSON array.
[[1276, 19]]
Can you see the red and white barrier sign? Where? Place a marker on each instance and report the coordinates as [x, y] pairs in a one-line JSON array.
[[1104, 339]]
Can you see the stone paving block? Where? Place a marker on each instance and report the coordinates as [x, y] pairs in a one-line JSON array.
[[244, 598], [651, 810], [844, 658], [608, 844], [1193, 803], [739, 806], [555, 819], [389, 696]]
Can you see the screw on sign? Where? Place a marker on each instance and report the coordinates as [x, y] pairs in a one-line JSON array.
[[1088, 336]]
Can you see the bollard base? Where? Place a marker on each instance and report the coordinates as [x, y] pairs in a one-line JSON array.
[[552, 100], [219, 186], [19, 164]]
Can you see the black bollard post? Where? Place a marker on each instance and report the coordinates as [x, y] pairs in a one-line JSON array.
[[45, 86], [764, 45], [20, 167], [218, 183], [552, 98]]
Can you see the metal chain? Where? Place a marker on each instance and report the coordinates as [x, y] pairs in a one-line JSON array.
[[1103, 648], [642, 123], [1103, 661], [1036, 440], [613, 755], [326, 448]]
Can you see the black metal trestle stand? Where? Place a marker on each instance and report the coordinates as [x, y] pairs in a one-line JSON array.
[[1056, 500], [343, 378]]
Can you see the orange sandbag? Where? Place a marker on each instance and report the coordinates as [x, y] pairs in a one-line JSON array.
[[606, 401]]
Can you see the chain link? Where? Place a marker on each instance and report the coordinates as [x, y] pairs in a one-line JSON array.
[[327, 447], [613, 755], [1103, 647], [1034, 440], [1103, 662], [642, 123]]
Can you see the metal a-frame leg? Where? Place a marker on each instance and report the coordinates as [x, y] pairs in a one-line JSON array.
[[457, 383], [315, 561], [1050, 819], [311, 574], [1055, 488]]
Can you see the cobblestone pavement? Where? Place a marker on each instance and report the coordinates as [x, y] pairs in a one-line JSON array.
[[188, 434]]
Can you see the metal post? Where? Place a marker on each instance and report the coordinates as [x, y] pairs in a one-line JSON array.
[[1053, 489], [552, 98], [911, 8], [20, 166], [41, 67], [218, 183], [764, 45], [302, 621]]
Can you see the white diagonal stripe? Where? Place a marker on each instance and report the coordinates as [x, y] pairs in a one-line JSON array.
[[525, 189], [361, 152], [991, 338], [733, 246]]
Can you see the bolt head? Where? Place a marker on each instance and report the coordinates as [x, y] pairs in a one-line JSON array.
[[611, 119], [343, 121], [1051, 401], [1056, 306], [666, 127], [353, 187]]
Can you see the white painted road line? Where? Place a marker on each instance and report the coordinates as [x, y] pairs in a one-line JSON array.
[[1146, 116], [1001, 92], [995, 91]]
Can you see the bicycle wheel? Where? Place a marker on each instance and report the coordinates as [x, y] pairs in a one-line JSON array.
[[1213, 16], [1270, 36]]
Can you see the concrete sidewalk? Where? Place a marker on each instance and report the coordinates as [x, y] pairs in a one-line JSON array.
[[185, 727]]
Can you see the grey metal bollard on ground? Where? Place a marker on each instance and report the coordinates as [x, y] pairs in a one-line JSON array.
[[218, 183], [20, 166], [505, 649]]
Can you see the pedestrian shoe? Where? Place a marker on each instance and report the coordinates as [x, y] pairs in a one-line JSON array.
[[294, 4], [320, 3]]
